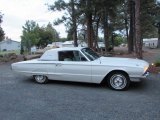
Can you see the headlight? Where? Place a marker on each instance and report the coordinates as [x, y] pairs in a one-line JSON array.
[[145, 68]]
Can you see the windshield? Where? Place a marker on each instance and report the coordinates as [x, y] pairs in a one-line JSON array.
[[90, 54]]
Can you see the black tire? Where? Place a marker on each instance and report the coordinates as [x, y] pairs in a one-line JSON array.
[[118, 81], [41, 79]]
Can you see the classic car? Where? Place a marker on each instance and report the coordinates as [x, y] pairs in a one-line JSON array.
[[82, 64]]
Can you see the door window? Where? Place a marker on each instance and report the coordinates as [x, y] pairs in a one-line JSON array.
[[71, 56]]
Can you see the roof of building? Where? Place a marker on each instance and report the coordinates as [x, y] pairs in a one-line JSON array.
[[68, 42], [7, 40], [150, 39]]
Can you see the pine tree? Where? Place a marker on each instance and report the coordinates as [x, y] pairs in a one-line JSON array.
[[1, 30]]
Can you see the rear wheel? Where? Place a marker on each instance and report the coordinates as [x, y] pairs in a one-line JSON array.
[[40, 79], [118, 81]]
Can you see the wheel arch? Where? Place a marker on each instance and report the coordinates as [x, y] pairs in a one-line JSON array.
[[111, 72], [46, 79]]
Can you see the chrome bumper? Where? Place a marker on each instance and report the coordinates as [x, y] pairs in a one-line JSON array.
[[137, 79], [146, 74]]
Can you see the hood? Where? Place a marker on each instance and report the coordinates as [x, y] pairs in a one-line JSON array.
[[123, 61]]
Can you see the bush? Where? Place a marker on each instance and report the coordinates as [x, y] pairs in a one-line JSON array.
[[8, 57], [157, 63], [1, 56]]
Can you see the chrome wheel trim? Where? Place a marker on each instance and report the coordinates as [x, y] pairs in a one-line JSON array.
[[118, 81], [40, 78]]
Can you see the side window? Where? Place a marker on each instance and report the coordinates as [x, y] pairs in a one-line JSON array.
[[78, 56], [66, 56], [71, 56]]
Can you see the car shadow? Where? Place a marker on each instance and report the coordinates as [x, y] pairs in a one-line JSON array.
[[68, 83], [76, 84], [134, 86]]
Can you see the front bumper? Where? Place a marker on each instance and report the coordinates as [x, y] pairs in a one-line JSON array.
[[137, 79], [145, 74]]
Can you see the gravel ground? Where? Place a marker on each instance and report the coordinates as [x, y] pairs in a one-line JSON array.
[[22, 99]]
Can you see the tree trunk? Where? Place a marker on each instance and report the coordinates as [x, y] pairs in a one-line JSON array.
[[126, 20], [27, 44], [132, 27], [112, 40], [96, 35], [126, 27], [74, 24], [138, 29], [158, 46], [89, 25], [89, 31], [106, 30]]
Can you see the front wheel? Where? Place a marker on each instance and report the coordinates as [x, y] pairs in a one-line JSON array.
[[118, 81], [40, 79]]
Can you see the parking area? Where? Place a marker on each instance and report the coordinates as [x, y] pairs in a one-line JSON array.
[[22, 98]]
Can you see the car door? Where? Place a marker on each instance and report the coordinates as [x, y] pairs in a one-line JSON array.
[[73, 66]]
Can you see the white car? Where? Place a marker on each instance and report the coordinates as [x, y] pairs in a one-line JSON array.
[[81, 64]]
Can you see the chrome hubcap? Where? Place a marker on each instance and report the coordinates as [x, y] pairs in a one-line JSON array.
[[40, 78], [118, 81]]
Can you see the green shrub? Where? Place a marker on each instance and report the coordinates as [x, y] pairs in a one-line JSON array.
[[157, 63], [1, 56]]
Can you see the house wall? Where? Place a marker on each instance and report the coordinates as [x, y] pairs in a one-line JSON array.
[[151, 43], [9, 45]]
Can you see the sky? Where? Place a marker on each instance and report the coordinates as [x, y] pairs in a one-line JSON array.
[[17, 12]]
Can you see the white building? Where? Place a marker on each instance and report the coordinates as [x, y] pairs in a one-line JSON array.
[[80, 44], [71, 44], [101, 45], [150, 42], [57, 44], [8, 45]]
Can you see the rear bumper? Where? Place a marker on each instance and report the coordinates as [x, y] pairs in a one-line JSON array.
[[137, 79]]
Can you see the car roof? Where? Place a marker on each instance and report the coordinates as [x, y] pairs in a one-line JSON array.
[[66, 48], [52, 54]]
